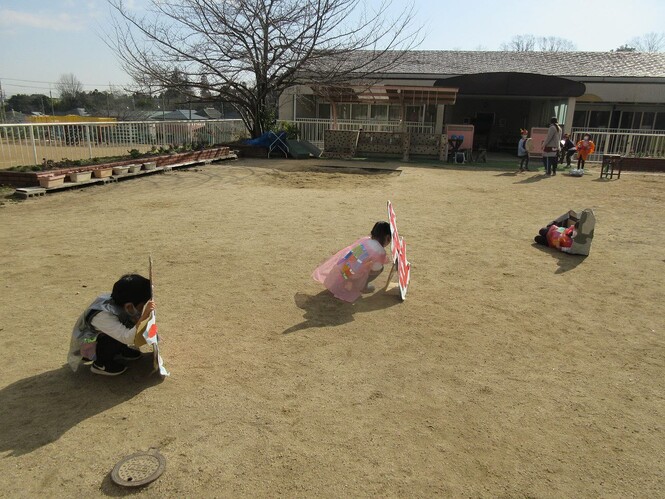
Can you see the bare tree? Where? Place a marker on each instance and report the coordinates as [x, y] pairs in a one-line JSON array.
[[69, 87], [555, 44], [520, 43], [530, 43], [249, 51], [649, 42]]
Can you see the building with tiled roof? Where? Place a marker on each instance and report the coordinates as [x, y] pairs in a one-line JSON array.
[[500, 92], [564, 64]]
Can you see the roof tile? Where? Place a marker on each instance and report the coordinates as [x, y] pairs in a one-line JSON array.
[[570, 64]]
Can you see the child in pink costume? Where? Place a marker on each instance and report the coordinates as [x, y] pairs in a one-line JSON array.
[[346, 274]]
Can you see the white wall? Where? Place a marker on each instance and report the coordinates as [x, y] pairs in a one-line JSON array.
[[653, 93]]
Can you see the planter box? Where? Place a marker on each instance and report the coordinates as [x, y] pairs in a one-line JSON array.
[[31, 179], [120, 170], [643, 164], [102, 172], [79, 176], [51, 181], [134, 168]]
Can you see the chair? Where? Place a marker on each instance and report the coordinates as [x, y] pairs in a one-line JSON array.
[[611, 166]]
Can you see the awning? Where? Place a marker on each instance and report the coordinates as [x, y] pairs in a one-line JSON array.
[[514, 84]]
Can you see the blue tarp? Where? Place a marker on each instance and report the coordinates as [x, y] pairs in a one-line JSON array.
[[266, 139]]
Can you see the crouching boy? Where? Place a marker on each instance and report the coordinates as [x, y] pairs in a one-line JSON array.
[[105, 331]]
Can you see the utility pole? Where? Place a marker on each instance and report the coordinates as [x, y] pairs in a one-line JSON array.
[[50, 94], [2, 104]]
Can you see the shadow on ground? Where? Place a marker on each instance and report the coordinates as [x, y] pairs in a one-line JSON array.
[[324, 310], [38, 410], [566, 261], [533, 178]]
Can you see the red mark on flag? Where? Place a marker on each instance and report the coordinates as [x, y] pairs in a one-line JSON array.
[[153, 330]]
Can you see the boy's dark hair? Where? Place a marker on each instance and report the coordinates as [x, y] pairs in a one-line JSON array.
[[131, 288], [381, 232]]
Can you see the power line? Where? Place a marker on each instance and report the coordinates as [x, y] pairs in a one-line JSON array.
[[110, 85], [27, 81], [26, 86]]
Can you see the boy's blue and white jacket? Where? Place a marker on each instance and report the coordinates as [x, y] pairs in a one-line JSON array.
[[84, 335]]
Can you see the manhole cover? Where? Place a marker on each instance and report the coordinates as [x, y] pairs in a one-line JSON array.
[[138, 469]]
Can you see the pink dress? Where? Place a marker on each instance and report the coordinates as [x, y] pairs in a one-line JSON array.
[[345, 273]]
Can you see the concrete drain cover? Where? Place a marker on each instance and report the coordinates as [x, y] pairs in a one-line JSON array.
[[139, 469]]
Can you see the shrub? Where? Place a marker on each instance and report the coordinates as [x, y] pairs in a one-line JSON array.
[[291, 129]]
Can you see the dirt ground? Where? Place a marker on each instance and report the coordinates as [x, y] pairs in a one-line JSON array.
[[509, 371]]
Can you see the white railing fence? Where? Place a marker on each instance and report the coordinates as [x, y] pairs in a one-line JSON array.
[[312, 130], [623, 142], [31, 144]]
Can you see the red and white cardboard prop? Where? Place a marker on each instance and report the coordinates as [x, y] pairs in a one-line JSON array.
[[398, 250]]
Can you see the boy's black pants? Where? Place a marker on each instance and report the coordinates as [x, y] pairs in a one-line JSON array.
[[107, 349]]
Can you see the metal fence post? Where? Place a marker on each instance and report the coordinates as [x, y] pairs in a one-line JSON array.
[[34, 146], [606, 145], [629, 142], [87, 136]]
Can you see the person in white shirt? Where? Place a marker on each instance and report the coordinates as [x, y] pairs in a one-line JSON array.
[[105, 331]]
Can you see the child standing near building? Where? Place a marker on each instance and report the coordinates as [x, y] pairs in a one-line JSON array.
[[585, 148], [523, 147], [347, 273], [105, 331], [568, 149]]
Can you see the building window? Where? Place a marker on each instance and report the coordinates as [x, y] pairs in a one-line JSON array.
[[430, 113], [324, 110], [599, 119], [395, 112], [647, 121], [379, 112], [660, 122], [579, 119], [359, 111], [627, 119], [414, 114], [615, 120], [560, 111]]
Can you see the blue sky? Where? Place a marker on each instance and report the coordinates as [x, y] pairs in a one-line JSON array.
[[40, 40]]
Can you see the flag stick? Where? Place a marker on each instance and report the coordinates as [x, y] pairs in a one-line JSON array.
[[390, 275], [155, 349], [152, 286]]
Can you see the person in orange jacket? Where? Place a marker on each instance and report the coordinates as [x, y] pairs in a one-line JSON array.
[[585, 148]]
